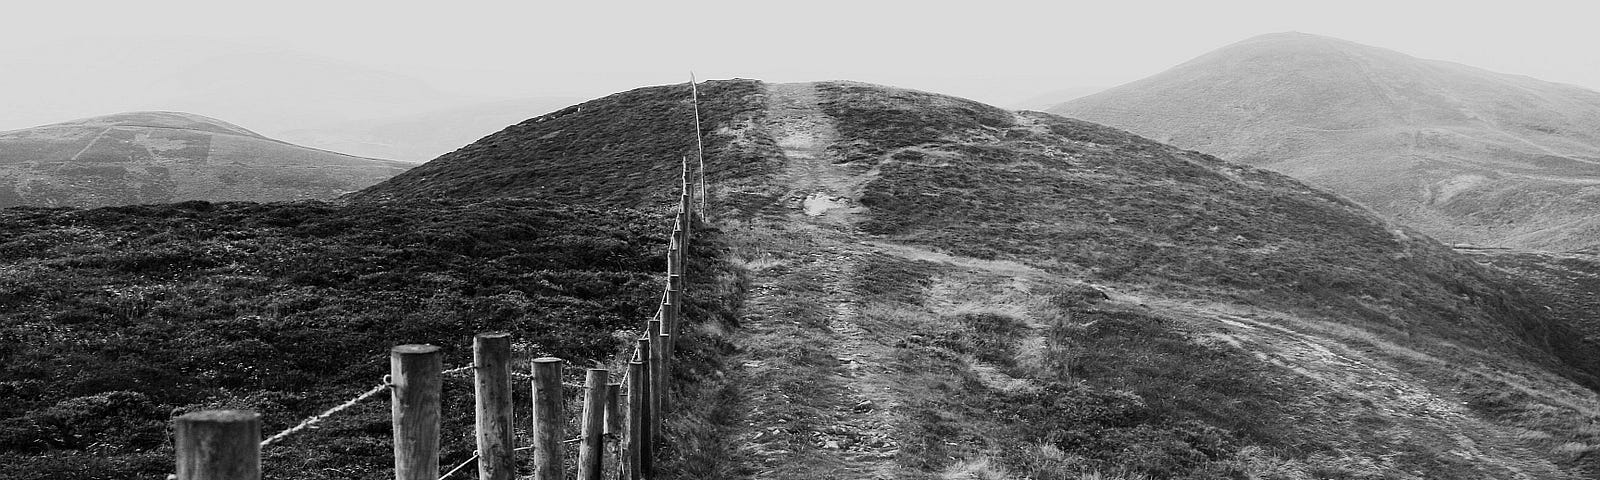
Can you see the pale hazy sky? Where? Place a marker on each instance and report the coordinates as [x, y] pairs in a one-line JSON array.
[[990, 50]]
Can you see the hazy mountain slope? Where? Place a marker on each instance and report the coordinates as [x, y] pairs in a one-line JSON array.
[[936, 286], [1464, 154], [420, 137], [271, 89], [155, 157]]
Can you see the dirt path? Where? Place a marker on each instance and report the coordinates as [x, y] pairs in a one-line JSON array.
[[815, 382]]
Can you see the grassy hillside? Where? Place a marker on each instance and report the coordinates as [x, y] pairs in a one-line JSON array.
[[116, 319], [1005, 295], [158, 157], [614, 150], [1466, 155]]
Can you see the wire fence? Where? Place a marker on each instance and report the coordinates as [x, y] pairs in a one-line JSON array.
[[222, 444]]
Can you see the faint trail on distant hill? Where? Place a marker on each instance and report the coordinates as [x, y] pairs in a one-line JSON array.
[[91, 144], [844, 412]]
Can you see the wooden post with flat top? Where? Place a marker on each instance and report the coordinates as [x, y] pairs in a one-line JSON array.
[[414, 372], [591, 457], [669, 319], [643, 441], [659, 367], [614, 409], [218, 445], [675, 297], [547, 419], [491, 360], [614, 427]]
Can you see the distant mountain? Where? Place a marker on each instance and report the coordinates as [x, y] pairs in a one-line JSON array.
[[1466, 155], [158, 157], [271, 89], [423, 136]]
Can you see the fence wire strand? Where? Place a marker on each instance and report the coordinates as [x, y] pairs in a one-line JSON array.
[[386, 384], [307, 423]]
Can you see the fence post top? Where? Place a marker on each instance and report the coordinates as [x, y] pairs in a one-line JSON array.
[[221, 416], [415, 349], [547, 360], [493, 334]]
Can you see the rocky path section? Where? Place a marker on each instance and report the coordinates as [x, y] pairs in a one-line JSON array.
[[816, 384]]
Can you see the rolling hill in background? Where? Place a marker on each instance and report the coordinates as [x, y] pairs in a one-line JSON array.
[[1463, 154], [159, 157], [271, 89], [420, 137]]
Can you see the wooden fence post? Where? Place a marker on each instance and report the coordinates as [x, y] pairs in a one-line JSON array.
[[659, 368], [669, 319], [675, 297], [591, 459], [547, 419], [218, 445], [644, 442], [615, 428], [614, 411], [674, 258], [414, 406], [491, 359], [688, 219]]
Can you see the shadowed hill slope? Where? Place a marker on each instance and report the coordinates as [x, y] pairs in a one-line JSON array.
[[156, 157], [940, 287], [1464, 154]]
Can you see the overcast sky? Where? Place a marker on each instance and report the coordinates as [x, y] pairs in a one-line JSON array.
[[992, 50]]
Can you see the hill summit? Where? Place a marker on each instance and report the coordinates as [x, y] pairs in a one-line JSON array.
[[1464, 154], [155, 157]]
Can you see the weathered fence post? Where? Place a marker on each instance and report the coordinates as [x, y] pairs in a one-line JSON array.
[[613, 424], [675, 297], [491, 359], [642, 397], [218, 445], [547, 419], [669, 320], [414, 406], [674, 266], [681, 238], [688, 219], [614, 411], [659, 367], [591, 459]]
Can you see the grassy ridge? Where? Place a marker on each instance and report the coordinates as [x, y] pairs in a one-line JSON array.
[[1079, 197], [115, 319], [1085, 201], [615, 150]]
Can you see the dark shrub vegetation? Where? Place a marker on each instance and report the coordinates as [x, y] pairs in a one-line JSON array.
[[115, 319]]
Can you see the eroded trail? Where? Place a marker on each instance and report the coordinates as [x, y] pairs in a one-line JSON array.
[[815, 382]]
